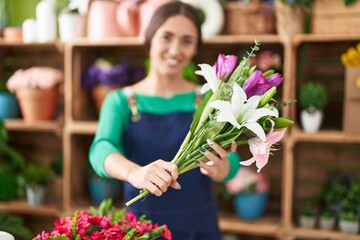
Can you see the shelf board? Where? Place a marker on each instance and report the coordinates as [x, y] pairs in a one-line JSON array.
[[82, 127], [327, 136], [19, 44], [322, 234], [22, 207], [43, 126], [299, 38], [229, 39], [265, 226]]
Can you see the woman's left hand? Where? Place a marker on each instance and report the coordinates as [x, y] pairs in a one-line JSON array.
[[218, 165]]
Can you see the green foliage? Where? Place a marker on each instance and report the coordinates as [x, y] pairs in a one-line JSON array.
[[297, 3], [308, 209], [350, 216], [335, 191], [12, 167], [63, 6], [37, 173], [313, 96], [14, 225], [326, 214], [353, 197]]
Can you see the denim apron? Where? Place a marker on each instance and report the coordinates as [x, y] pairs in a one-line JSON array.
[[190, 213]]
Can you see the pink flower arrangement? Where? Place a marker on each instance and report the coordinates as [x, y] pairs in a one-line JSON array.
[[35, 78], [105, 223], [247, 180]]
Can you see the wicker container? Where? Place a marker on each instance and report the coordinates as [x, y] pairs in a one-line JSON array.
[[253, 18], [289, 20], [334, 17]]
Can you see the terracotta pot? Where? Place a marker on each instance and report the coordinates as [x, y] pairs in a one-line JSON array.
[[99, 93], [102, 20], [133, 16], [36, 104]]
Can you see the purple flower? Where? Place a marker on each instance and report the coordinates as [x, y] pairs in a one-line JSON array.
[[225, 65], [257, 84], [106, 73]]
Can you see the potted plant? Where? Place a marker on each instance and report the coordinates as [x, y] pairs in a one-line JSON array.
[[9, 107], [251, 193], [335, 194], [12, 166], [291, 15], [327, 220], [349, 221], [71, 19], [37, 176], [313, 99], [308, 215], [105, 75], [36, 89]]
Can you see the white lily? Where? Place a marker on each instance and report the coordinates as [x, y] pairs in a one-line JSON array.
[[242, 112], [208, 72]]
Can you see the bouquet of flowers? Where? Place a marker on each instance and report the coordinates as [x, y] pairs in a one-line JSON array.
[[238, 106], [106, 222]]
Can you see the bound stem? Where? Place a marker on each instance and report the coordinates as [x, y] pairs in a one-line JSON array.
[[143, 193]]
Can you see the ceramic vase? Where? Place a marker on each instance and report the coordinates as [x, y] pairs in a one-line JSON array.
[[311, 122], [250, 206], [9, 107]]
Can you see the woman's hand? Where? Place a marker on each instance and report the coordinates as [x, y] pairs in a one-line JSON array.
[[156, 177], [218, 165]]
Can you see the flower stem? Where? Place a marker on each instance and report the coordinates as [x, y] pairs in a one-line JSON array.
[[143, 193]]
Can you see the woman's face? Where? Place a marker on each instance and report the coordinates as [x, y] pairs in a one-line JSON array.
[[173, 45]]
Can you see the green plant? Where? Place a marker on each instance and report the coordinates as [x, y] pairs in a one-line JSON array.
[[335, 191], [12, 165], [308, 209], [14, 225], [313, 96], [64, 6], [353, 197], [326, 214], [37, 173], [350, 216], [297, 3]]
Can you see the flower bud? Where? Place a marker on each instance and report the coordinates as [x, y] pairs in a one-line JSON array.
[[225, 65]]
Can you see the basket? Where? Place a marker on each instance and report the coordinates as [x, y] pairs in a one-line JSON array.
[[253, 18]]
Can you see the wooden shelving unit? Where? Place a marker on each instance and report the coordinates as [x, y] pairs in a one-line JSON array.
[[78, 125]]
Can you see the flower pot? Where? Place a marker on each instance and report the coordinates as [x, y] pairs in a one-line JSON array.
[[9, 107], [288, 20], [101, 21], [250, 206], [311, 122], [71, 26], [102, 188], [6, 236], [35, 195], [36, 104], [349, 227], [327, 224], [307, 221], [99, 93]]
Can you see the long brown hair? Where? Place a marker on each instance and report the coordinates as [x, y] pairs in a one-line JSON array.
[[168, 10]]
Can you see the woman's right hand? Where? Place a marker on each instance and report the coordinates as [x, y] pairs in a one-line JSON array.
[[156, 177]]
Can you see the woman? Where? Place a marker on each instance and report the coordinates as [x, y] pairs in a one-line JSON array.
[[142, 127]]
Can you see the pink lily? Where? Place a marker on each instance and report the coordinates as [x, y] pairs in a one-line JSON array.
[[261, 149], [257, 84], [225, 65]]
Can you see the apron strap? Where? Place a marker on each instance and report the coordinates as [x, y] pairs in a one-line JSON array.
[[129, 93], [136, 116]]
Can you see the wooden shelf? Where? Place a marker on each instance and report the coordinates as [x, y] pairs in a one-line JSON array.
[[22, 207], [82, 127], [19, 44], [328, 136], [322, 234], [300, 38], [43, 126], [265, 226]]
